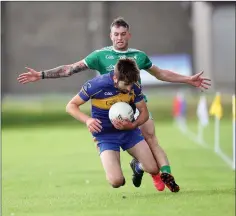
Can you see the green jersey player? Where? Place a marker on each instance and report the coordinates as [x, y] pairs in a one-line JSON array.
[[103, 61]]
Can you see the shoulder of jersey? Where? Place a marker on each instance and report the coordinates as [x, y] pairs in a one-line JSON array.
[[135, 51], [100, 80], [108, 48], [137, 84]]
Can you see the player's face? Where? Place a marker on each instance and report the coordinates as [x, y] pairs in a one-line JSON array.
[[120, 37], [124, 87]]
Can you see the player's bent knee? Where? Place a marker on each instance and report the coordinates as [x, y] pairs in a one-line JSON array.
[[148, 135], [119, 185], [116, 182], [152, 170]]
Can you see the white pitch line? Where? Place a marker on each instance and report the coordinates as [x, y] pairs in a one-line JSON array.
[[193, 137], [225, 157]]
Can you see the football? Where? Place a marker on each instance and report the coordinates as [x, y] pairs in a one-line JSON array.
[[121, 110]]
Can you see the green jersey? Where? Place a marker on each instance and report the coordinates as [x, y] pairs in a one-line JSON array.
[[104, 60]]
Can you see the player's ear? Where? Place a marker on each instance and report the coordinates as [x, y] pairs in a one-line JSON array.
[[110, 36], [115, 78], [129, 35]]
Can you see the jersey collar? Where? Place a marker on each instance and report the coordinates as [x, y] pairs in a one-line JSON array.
[[119, 51]]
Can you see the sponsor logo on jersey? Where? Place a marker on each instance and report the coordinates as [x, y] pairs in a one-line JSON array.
[[109, 57], [133, 58], [108, 93], [128, 57], [111, 102], [122, 57], [110, 68]]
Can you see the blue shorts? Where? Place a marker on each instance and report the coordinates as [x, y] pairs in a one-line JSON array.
[[115, 141]]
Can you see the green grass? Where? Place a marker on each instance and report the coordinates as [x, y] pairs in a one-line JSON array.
[[225, 135], [55, 170]]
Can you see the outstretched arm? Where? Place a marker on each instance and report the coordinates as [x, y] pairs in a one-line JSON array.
[[62, 71], [165, 75]]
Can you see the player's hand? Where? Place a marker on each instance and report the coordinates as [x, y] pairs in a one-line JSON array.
[[30, 76], [123, 124], [200, 82], [94, 125]]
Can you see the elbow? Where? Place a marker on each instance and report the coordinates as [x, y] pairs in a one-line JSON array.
[[156, 72], [159, 76], [71, 108], [68, 108]]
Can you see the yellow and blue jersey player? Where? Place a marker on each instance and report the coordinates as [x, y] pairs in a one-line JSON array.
[[103, 91]]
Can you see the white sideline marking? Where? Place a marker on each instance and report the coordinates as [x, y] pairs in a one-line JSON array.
[[224, 157], [193, 137], [181, 125]]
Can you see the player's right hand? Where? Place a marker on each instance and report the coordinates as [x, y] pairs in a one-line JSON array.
[[30, 76], [124, 124], [94, 125]]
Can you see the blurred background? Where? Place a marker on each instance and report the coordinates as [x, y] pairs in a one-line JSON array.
[[43, 35], [40, 140], [186, 37]]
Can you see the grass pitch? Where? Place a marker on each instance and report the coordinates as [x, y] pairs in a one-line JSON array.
[[55, 170]]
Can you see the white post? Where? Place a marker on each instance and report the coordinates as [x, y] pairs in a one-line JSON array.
[[217, 135], [233, 124], [202, 39], [234, 145]]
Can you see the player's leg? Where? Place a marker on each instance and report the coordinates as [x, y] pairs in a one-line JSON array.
[[131, 139], [110, 158], [148, 131], [144, 156], [158, 183], [144, 161]]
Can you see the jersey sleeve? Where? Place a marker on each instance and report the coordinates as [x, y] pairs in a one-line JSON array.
[[144, 62], [138, 93], [92, 60], [88, 90]]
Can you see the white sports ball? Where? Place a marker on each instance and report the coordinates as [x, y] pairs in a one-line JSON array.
[[121, 110]]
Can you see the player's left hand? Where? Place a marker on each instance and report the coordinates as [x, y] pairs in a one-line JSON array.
[[200, 82], [123, 124]]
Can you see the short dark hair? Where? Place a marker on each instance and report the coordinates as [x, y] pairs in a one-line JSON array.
[[119, 21], [127, 70]]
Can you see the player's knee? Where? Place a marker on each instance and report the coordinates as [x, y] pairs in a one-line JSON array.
[[148, 134], [117, 182], [153, 170]]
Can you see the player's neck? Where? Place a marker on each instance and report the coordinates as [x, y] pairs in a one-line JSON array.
[[120, 51]]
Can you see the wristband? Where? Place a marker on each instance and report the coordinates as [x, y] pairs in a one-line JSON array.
[[43, 74]]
